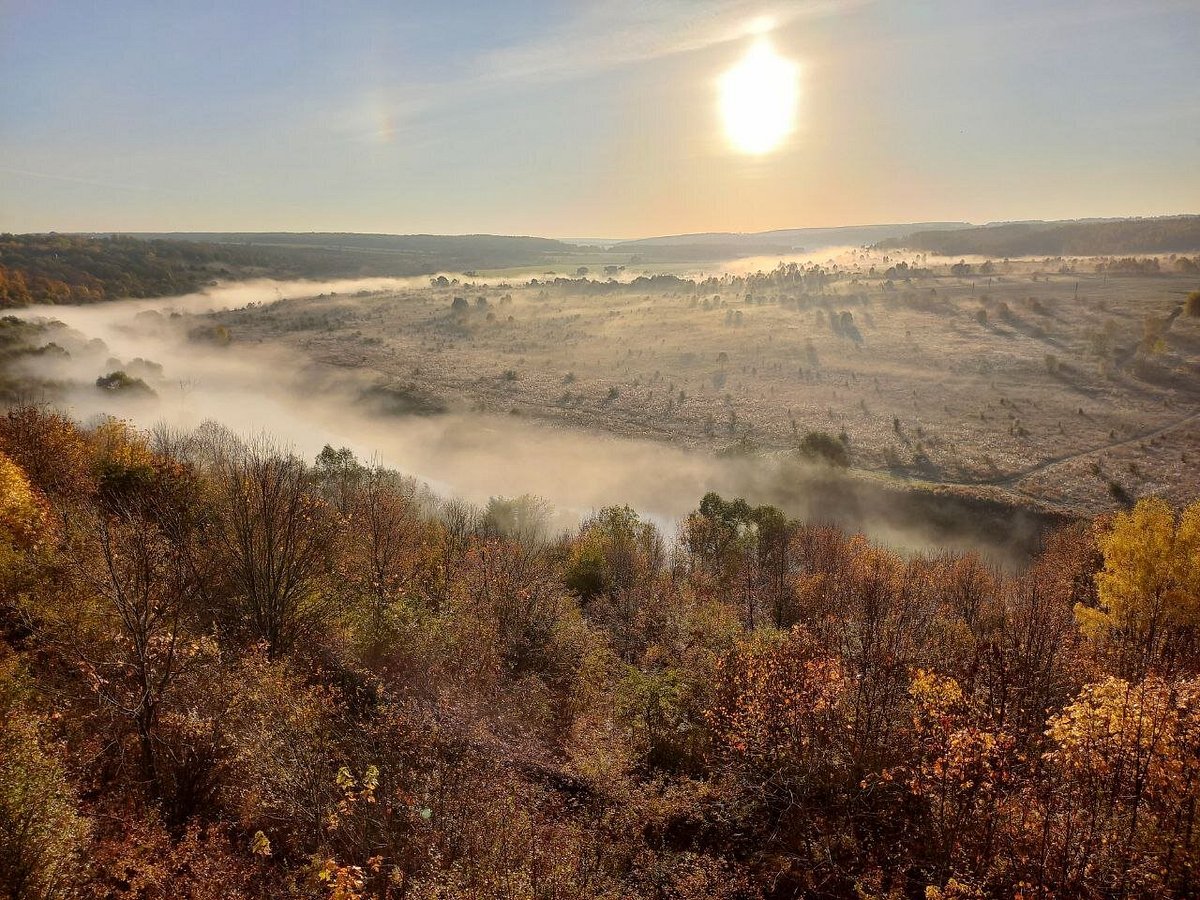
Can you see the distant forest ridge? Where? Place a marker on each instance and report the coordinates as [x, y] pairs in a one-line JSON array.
[[61, 268], [455, 244], [73, 268], [87, 268], [1104, 237], [785, 239]]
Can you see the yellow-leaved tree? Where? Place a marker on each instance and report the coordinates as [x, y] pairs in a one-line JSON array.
[[43, 838], [22, 513], [1148, 591], [1119, 819]]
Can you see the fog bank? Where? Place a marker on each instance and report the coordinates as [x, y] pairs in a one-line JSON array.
[[256, 389]]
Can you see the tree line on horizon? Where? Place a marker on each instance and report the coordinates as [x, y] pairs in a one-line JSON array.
[[1119, 237], [73, 268]]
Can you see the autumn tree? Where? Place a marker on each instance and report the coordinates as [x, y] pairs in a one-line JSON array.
[[964, 774], [22, 510], [51, 451], [779, 729], [274, 535], [128, 631], [1118, 810], [43, 837], [745, 551], [1148, 604], [612, 566]]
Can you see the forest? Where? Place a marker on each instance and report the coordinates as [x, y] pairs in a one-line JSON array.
[[1114, 237], [228, 672], [59, 268], [69, 268]]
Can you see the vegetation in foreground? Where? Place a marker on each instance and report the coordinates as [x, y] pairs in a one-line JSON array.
[[227, 673]]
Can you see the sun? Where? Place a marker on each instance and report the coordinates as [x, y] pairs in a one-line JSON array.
[[758, 99]]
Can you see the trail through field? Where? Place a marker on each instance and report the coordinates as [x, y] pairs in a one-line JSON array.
[[1013, 479]]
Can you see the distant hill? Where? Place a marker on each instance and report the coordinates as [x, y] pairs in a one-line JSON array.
[[714, 245], [465, 245], [67, 268], [1095, 237], [73, 268], [335, 254]]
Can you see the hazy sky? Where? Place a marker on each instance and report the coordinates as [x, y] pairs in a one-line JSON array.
[[578, 119]]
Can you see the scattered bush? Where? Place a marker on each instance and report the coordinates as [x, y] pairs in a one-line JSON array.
[[120, 382], [1191, 306], [824, 447]]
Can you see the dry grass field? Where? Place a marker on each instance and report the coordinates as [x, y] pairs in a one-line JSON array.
[[1046, 380]]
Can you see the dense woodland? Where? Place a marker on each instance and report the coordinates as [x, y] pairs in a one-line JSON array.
[[1116, 237], [59, 268], [63, 268], [228, 673], [494, 246]]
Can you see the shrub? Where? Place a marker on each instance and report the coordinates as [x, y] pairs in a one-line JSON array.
[[824, 447], [1191, 306], [1117, 491], [120, 382], [211, 334]]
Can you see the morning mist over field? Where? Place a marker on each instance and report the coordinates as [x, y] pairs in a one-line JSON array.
[[659, 450]]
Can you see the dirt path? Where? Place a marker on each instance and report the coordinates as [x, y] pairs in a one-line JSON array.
[[1012, 480]]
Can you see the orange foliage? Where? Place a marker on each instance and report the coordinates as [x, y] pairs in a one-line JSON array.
[[227, 673]]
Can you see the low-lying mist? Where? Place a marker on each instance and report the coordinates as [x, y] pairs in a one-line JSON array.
[[257, 390]]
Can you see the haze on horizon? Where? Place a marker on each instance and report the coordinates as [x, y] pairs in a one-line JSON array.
[[618, 119]]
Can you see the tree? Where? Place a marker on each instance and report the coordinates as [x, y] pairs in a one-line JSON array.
[[1148, 605], [133, 647], [778, 717], [50, 449], [611, 566], [1119, 813], [963, 772], [388, 554], [745, 551], [524, 519], [121, 382], [275, 536], [22, 511], [42, 835]]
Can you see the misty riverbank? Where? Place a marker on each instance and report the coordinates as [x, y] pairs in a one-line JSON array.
[[260, 390]]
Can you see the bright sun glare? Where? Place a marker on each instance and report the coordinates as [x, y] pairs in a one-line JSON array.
[[758, 99]]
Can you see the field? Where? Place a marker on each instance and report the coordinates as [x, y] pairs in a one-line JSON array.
[[1046, 381]]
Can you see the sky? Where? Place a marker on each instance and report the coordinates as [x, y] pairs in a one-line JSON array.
[[574, 119]]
